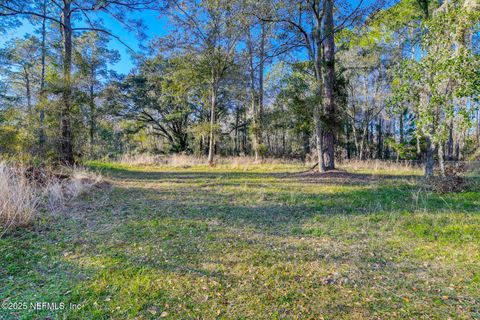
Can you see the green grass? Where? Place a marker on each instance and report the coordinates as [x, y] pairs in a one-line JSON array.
[[262, 242]]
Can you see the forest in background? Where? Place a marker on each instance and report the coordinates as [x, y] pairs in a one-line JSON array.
[[262, 159], [322, 81]]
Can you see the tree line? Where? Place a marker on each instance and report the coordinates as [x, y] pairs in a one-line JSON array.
[[323, 80]]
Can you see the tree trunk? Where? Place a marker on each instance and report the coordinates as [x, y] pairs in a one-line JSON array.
[[362, 142], [379, 138], [329, 84], [306, 144], [478, 129], [318, 138], [450, 141], [66, 145], [355, 138], [429, 160], [347, 135], [261, 65], [211, 146], [41, 134], [400, 125], [253, 96], [441, 165], [28, 89], [237, 121], [92, 118], [419, 150]]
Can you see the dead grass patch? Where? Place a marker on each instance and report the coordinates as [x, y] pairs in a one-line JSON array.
[[25, 191]]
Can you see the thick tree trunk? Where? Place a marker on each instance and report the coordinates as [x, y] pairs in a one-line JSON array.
[[66, 145], [329, 84]]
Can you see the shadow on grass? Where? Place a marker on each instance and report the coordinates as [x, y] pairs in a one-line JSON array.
[[308, 177], [200, 225]]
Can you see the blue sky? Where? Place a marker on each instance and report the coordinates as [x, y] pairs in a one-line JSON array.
[[156, 26]]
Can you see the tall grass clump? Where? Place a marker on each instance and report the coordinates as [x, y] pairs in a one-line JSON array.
[[68, 185], [24, 192], [18, 198], [382, 166]]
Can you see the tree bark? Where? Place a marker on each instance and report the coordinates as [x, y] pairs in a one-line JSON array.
[[329, 84], [66, 145], [441, 164], [478, 129], [429, 160], [92, 114], [253, 96], [379, 138], [419, 150], [400, 127], [261, 65], [28, 89], [41, 134], [211, 146], [450, 141]]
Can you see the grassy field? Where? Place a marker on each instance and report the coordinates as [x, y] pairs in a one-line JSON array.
[[257, 242]]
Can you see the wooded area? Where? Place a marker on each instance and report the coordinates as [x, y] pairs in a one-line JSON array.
[[323, 80]]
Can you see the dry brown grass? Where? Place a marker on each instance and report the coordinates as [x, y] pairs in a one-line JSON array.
[[58, 192], [183, 160], [18, 198], [381, 166], [22, 197]]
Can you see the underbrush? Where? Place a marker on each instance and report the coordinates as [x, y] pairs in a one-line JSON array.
[[24, 192], [382, 166], [183, 160]]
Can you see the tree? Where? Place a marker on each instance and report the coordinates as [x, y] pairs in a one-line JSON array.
[[63, 14], [311, 25], [18, 65], [157, 96], [208, 31], [92, 58], [443, 77]]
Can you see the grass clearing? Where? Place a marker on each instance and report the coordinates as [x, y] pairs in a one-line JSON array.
[[250, 242]]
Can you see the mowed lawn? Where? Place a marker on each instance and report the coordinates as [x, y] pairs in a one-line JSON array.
[[258, 242]]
